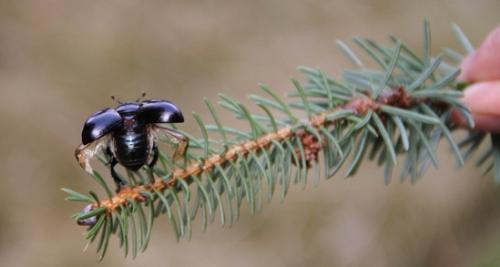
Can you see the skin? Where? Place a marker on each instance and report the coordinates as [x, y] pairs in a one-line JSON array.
[[482, 69]]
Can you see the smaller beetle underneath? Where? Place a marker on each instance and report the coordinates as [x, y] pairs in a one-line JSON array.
[[128, 134]]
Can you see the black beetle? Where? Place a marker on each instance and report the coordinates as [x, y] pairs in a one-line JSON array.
[[128, 135]]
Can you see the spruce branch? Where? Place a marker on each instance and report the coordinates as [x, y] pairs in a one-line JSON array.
[[401, 108]]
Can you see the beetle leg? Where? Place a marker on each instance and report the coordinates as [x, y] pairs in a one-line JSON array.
[[152, 164], [183, 141], [118, 181], [155, 156]]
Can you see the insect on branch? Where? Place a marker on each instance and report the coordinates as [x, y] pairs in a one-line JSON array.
[[359, 105]]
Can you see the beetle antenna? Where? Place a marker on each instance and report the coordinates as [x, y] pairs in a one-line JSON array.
[[114, 98], [141, 97]]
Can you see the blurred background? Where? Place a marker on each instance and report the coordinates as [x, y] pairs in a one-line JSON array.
[[62, 60]]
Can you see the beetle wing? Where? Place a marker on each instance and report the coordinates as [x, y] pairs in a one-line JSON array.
[[180, 141], [159, 111], [84, 152], [100, 124]]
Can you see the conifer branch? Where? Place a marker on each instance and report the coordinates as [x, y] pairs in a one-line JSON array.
[[404, 107], [358, 106]]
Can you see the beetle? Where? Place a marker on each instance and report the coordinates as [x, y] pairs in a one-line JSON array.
[[128, 135]]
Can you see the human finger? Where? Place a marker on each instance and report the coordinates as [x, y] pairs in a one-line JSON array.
[[484, 63]]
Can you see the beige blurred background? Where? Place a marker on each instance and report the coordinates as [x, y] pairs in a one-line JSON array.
[[61, 60]]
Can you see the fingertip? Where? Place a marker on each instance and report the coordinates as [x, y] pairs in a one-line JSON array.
[[487, 123], [483, 98], [484, 63]]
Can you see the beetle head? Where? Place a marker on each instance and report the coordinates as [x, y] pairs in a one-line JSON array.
[[126, 109]]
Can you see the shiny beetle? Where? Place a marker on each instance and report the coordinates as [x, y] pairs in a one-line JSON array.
[[128, 135]]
